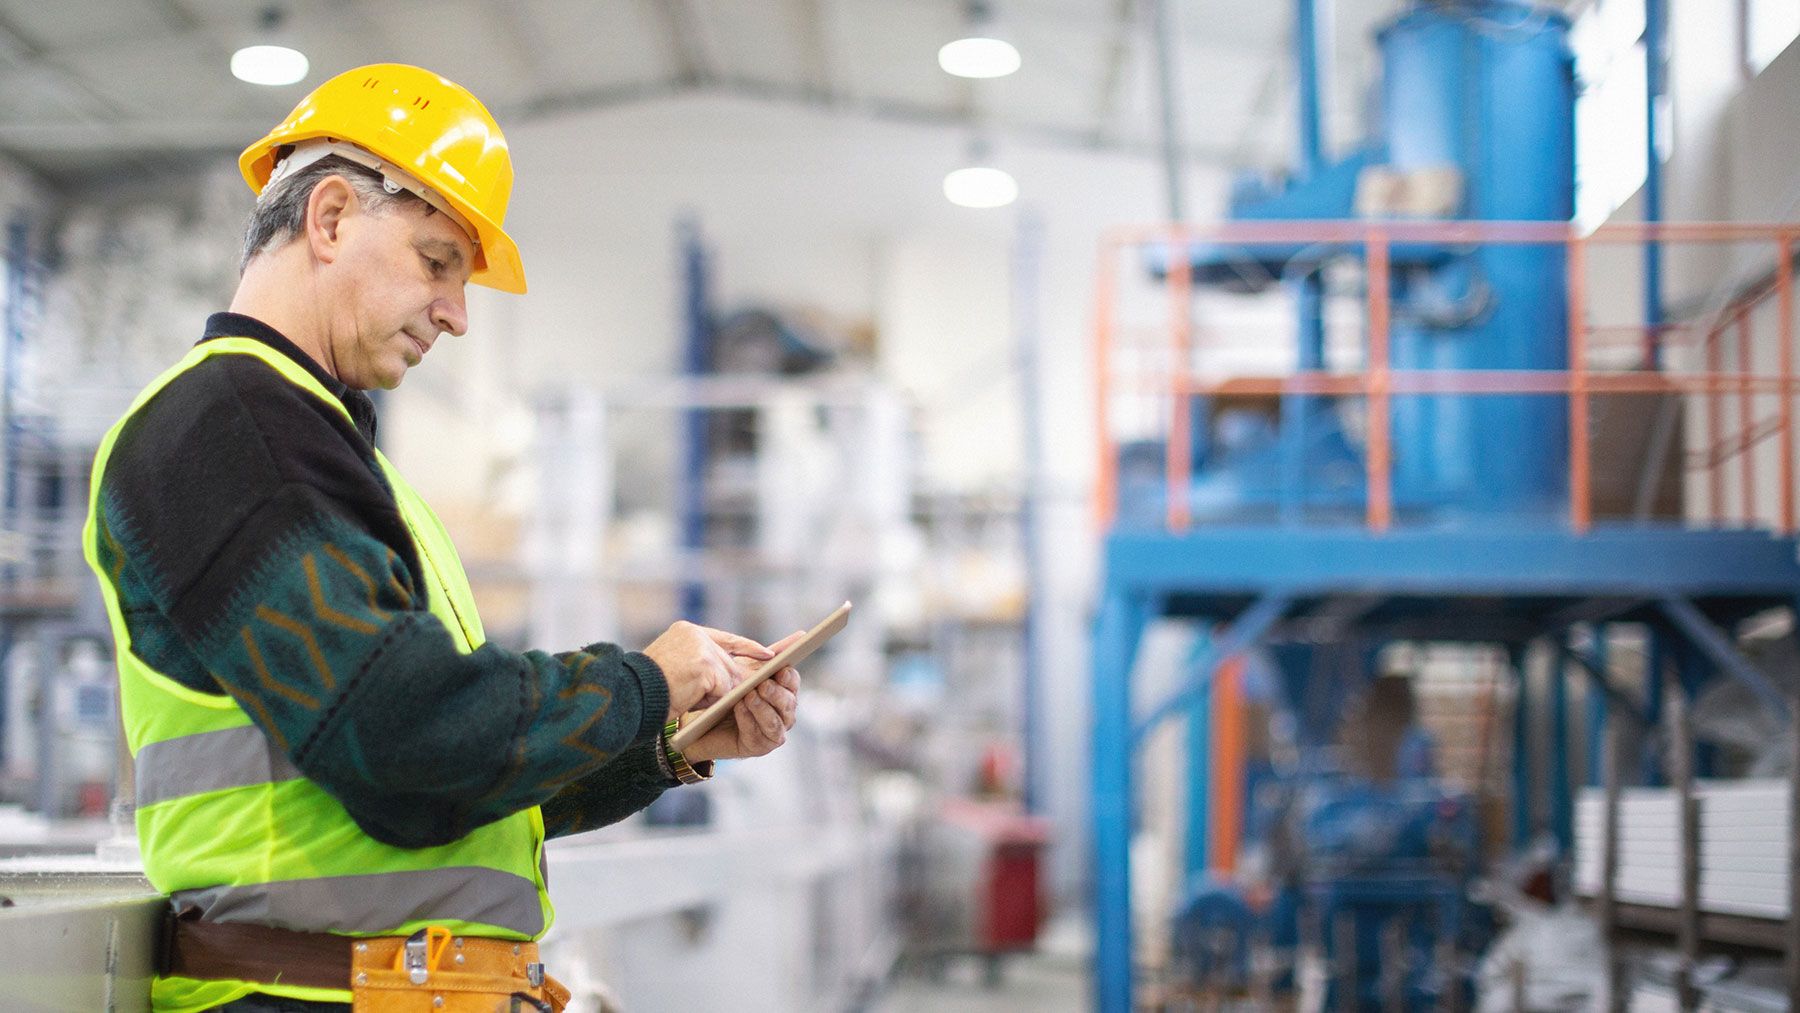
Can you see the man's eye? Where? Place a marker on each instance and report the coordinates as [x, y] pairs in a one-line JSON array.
[[437, 266]]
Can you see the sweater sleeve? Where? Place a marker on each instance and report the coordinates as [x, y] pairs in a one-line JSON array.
[[609, 794], [258, 553]]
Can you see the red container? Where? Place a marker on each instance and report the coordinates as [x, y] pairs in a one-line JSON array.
[[1007, 848]]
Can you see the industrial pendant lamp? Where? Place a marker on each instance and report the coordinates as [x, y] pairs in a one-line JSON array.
[[979, 184], [982, 51], [269, 62]]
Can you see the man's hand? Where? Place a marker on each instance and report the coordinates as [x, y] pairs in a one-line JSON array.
[[759, 723], [701, 664]]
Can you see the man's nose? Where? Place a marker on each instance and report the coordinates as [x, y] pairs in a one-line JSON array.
[[451, 314]]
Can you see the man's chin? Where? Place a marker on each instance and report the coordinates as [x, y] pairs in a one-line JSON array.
[[388, 379]]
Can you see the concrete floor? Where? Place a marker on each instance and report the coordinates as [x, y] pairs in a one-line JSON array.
[[1030, 983]]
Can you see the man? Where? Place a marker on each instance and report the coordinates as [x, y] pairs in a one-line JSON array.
[[341, 786]]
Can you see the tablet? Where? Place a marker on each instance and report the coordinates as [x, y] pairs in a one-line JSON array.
[[696, 725]]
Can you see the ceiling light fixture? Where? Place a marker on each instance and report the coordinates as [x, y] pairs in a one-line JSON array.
[[981, 186], [978, 184], [981, 52], [267, 63]]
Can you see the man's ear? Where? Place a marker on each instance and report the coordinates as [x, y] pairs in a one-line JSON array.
[[332, 201]]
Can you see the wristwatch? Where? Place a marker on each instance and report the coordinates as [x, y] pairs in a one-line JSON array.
[[685, 772]]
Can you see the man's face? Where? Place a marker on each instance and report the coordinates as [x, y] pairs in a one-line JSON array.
[[403, 272]]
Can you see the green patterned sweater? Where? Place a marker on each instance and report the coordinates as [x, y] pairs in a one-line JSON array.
[[257, 551]]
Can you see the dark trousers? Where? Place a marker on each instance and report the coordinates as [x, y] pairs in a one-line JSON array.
[[278, 1004]]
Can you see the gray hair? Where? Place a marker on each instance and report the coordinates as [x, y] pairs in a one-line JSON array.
[[280, 213]]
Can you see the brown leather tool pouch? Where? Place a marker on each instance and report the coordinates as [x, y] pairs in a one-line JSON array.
[[437, 973]]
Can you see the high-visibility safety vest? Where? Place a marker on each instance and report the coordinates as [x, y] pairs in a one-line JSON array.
[[225, 819]]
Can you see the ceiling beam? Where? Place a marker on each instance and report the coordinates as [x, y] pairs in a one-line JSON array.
[[125, 137], [957, 115], [186, 24], [33, 54], [586, 100], [178, 16], [175, 136]]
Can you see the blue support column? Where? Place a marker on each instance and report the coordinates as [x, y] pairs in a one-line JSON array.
[[1791, 967], [1597, 703], [1298, 410], [1199, 762], [1656, 666], [12, 344], [1693, 669], [1562, 807], [1309, 310], [696, 362], [1028, 245], [12, 348], [1116, 634], [1521, 752], [1718, 648], [1655, 88], [1311, 155], [1243, 633]]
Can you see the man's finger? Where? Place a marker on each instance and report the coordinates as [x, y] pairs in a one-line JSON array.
[[738, 645], [782, 644], [768, 720], [749, 731], [789, 679], [784, 701], [730, 668]]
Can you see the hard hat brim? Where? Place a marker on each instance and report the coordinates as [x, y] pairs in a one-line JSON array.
[[497, 263]]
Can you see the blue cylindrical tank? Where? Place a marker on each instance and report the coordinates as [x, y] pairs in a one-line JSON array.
[[1486, 87]]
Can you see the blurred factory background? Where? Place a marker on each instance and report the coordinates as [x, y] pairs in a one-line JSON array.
[[1320, 494]]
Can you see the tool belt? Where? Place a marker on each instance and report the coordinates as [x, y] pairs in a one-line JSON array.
[[430, 971]]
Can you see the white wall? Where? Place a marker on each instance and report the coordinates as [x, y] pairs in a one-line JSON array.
[[1732, 159], [806, 207]]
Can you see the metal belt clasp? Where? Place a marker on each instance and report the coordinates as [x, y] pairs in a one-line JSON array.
[[420, 954], [534, 975], [415, 959]]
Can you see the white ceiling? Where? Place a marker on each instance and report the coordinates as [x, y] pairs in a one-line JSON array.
[[86, 84]]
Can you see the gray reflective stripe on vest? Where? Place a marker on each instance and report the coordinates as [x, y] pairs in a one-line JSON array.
[[209, 761], [378, 902]]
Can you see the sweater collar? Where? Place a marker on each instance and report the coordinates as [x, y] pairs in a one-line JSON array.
[[237, 325]]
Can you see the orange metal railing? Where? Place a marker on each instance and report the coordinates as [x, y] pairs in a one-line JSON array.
[[1377, 382]]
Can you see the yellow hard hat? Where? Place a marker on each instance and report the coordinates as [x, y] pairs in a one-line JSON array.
[[432, 131]]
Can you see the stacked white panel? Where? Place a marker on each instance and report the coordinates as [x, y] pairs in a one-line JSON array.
[[1743, 846]]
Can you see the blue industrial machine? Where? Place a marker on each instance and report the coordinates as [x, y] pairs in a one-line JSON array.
[[1371, 874], [1475, 124], [1478, 105]]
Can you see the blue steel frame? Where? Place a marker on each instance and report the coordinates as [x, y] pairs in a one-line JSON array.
[[1524, 816], [1502, 586], [1656, 17], [696, 361], [1595, 664], [1201, 664], [17, 265]]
